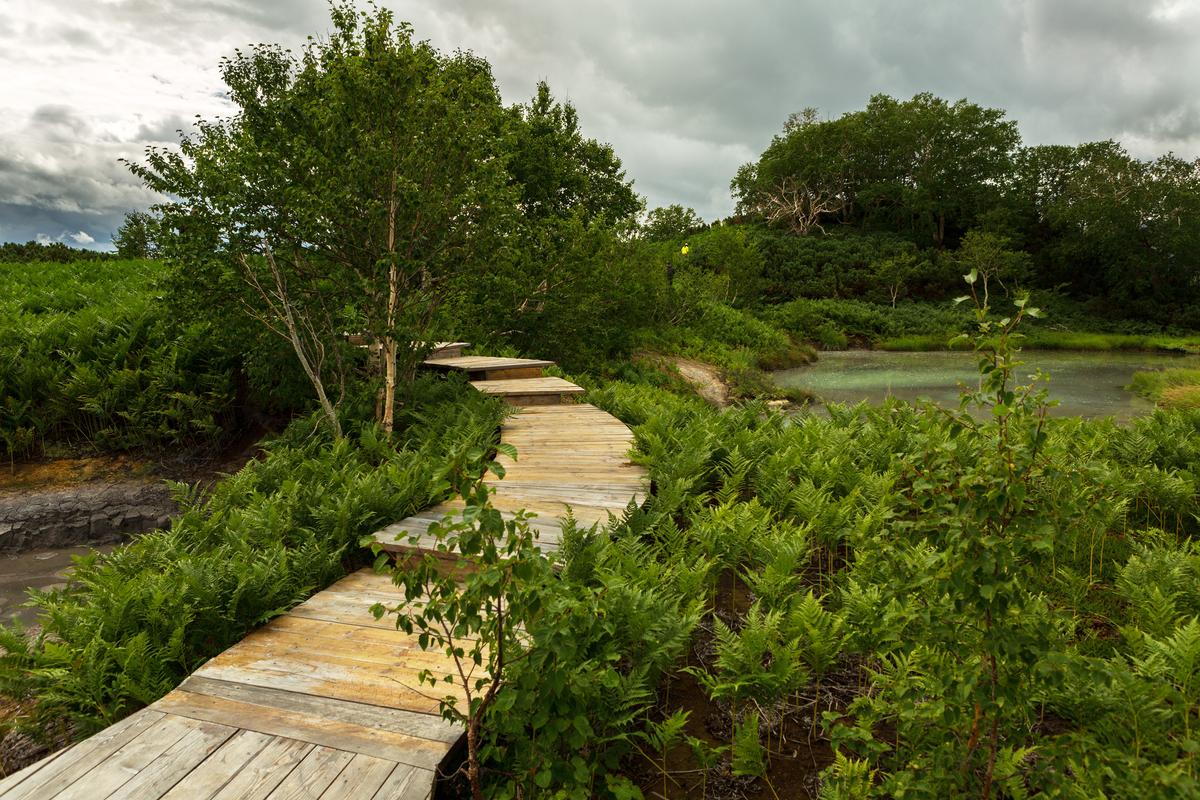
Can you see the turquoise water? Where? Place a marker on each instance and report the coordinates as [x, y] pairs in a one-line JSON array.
[[1086, 384]]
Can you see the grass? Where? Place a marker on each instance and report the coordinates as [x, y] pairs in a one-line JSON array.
[[1171, 388], [1059, 340]]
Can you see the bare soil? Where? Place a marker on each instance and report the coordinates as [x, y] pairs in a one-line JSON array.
[[797, 752]]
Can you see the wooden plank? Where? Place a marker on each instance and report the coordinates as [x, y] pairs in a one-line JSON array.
[[480, 363], [421, 726], [10, 782], [279, 644], [510, 373], [80, 759], [122, 766], [528, 387], [361, 778], [419, 526], [313, 775], [431, 546], [206, 780], [401, 691], [448, 349], [407, 783], [318, 730], [185, 755], [338, 606], [343, 615], [351, 634], [259, 777]]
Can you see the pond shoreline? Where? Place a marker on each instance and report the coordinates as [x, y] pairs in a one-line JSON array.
[[1087, 383]]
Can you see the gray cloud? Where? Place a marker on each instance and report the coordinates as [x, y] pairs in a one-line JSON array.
[[684, 91]]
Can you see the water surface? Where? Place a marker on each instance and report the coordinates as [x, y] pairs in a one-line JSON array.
[[39, 569], [1086, 384]]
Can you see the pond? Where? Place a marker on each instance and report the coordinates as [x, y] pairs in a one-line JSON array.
[[1086, 384]]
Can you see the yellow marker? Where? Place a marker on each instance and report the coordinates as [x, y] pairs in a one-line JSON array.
[[684, 249]]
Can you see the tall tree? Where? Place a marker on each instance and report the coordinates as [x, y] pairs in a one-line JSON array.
[[1128, 231], [558, 171], [668, 223], [349, 189], [923, 167]]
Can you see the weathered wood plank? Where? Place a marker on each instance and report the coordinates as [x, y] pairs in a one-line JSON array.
[[313, 775], [157, 778], [80, 759], [407, 783], [312, 728], [422, 726], [263, 773], [10, 782], [398, 691], [346, 614], [350, 634], [206, 780], [284, 646], [348, 676], [531, 387], [122, 766], [361, 778], [479, 363]]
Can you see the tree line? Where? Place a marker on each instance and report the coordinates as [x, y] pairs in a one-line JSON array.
[[1090, 219], [374, 186]]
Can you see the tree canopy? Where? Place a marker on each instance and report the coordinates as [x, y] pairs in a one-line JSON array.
[[354, 183], [1119, 230]]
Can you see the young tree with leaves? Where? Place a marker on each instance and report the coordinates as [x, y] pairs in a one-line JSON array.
[[349, 189]]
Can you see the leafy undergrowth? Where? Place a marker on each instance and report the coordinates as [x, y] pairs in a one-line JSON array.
[[133, 623], [90, 360], [901, 600], [810, 515]]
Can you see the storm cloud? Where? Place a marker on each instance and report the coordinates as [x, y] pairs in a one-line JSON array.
[[685, 92]]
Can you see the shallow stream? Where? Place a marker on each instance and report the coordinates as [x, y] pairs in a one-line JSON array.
[[1086, 384], [39, 569]]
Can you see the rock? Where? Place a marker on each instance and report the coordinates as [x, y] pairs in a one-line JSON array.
[[706, 380], [93, 513]]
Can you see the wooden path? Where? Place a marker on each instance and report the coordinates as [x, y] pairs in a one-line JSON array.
[[323, 703]]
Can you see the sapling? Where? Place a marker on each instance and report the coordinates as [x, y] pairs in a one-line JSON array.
[[476, 611]]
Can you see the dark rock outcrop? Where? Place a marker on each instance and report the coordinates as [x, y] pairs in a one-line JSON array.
[[85, 514]]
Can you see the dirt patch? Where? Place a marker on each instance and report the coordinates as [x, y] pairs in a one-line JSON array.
[[705, 379], [62, 472]]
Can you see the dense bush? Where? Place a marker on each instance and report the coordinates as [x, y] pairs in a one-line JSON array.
[[55, 252], [89, 358], [849, 265], [568, 289]]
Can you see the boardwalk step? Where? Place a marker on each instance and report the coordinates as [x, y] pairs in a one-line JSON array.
[[448, 349], [489, 368], [530, 391]]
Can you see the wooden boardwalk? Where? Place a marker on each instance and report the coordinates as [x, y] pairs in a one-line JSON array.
[[323, 703]]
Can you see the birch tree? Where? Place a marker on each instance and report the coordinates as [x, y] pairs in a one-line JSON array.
[[352, 185]]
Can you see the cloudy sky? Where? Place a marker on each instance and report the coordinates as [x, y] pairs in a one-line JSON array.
[[685, 91]]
